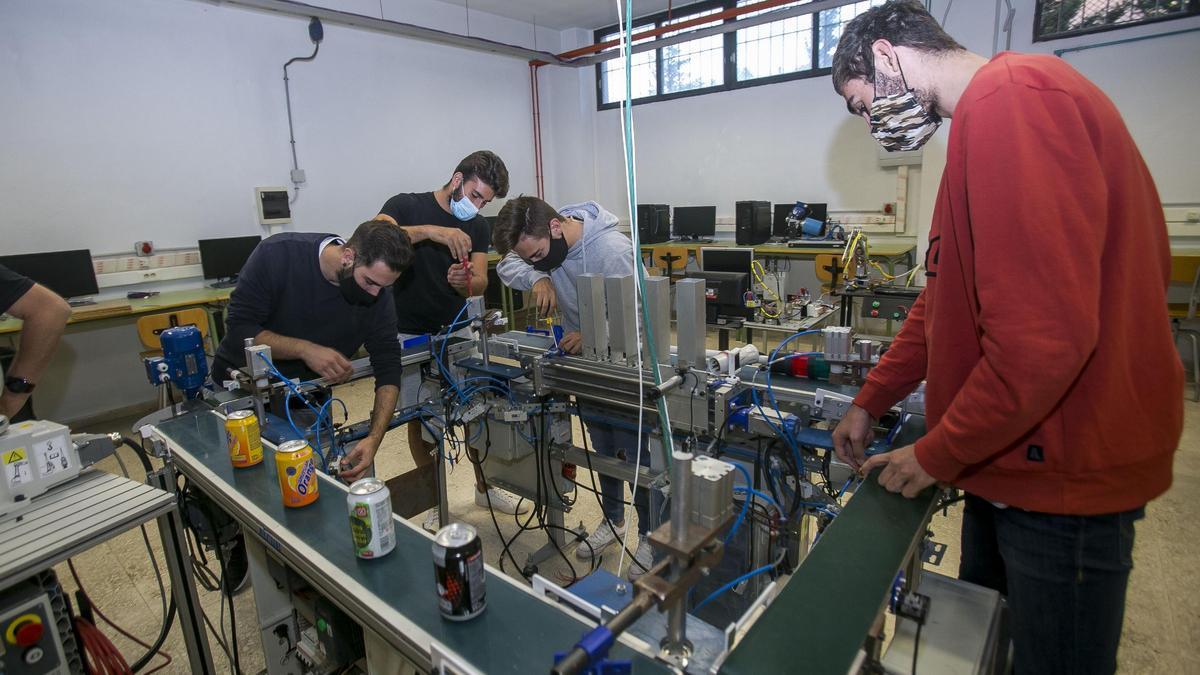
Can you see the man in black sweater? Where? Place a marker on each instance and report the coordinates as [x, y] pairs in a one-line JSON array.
[[450, 243], [315, 299]]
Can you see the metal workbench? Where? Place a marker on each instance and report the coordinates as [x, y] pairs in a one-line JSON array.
[[92, 509], [74, 517], [392, 596]]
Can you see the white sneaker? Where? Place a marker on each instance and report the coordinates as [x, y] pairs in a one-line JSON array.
[[600, 539], [501, 502], [643, 559], [431, 523]]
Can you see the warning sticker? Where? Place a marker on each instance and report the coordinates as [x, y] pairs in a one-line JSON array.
[[16, 466], [51, 456]]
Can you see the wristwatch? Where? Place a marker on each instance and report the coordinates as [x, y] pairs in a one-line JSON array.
[[18, 385]]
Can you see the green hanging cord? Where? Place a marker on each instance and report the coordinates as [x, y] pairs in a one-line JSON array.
[[627, 111]]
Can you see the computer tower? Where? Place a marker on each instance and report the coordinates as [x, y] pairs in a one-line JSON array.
[[654, 223], [753, 222]]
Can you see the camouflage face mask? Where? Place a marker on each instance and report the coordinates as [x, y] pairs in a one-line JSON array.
[[900, 123]]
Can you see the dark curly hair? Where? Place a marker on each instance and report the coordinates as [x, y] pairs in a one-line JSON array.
[[487, 167], [376, 240], [904, 23], [523, 216]]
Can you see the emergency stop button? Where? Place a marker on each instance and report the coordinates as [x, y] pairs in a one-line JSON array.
[[26, 631]]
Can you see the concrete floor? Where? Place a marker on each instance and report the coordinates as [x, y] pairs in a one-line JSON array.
[[1162, 620]]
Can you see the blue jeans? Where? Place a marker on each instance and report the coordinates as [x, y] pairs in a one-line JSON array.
[[612, 441], [1065, 578]]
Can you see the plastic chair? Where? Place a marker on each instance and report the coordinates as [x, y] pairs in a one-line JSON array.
[[825, 264], [1184, 270], [674, 259]]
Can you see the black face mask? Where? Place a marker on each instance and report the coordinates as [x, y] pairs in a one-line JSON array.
[[554, 258], [351, 291]]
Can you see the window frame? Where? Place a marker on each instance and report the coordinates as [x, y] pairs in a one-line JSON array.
[[729, 58], [1193, 11]]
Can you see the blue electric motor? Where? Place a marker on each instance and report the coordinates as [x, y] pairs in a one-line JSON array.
[[183, 352]]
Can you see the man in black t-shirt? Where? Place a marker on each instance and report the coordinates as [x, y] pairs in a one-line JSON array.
[[450, 241], [45, 317]]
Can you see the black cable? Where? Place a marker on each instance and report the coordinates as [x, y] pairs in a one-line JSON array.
[[169, 607], [226, 594], [916, 647], [487, 431], [621, 542]]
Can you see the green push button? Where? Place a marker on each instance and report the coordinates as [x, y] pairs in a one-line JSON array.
[[322, 626], [875, 304]]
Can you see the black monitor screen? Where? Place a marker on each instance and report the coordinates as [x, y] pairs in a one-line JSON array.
[[68, 273], [779, 220], [695, 221], [221, 258], [726, 259]]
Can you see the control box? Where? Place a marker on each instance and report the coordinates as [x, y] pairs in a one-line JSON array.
[[888, 307], [35, 630]]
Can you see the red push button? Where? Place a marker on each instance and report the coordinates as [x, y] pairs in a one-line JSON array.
[[874, 313], [29, 633]]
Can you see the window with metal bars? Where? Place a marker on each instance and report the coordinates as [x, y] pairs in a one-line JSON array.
[[1065, 18], [791, 48]]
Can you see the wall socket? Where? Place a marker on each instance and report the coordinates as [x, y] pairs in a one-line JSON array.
[[143, 248]]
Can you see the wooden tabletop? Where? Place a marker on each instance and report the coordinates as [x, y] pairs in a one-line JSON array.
[[122, 307], [881, 250]]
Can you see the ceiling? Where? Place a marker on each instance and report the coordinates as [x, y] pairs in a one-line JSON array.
[[560, 14]]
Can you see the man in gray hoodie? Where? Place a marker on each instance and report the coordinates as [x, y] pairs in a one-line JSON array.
[[545, 250]]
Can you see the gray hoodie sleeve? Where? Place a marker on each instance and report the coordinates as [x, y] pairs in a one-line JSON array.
[[518, 274]]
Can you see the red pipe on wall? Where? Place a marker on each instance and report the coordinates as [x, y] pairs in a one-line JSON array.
[[537, 129]]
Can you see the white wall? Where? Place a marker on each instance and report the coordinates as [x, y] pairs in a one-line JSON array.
[[156, 119]]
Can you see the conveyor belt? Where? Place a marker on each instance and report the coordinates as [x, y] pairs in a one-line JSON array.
[[821, 617], [394, 596]]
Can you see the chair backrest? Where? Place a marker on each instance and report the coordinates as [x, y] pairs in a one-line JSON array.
[[150, 325], [824, 264], [1186, 270], [671, 259]]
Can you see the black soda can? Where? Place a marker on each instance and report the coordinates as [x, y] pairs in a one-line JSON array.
[[458, 571]]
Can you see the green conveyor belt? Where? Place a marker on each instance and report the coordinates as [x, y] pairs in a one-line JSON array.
[[821, 617], [517, 633]]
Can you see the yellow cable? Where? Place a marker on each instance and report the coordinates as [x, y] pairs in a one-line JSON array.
[[758, 270], [879, 268]]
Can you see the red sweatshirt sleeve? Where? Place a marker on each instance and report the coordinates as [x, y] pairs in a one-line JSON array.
[[1037, 221], [901, 369]]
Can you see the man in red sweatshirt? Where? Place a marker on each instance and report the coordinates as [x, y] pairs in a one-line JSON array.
[[1053, 389]]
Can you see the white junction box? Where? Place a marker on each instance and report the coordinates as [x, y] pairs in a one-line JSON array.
[[34, 456]]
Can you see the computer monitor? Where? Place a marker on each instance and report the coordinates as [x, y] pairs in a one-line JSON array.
[[68, 273], [727, 260], [695, 221], [779, 227], [654, 223], [223, 258]]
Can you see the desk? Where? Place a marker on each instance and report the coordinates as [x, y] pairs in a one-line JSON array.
[[886, 253], [122, 307]]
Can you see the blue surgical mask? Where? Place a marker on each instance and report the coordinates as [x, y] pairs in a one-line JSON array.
[[462, 208]]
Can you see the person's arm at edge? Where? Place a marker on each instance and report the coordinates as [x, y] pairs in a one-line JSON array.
[[44, 315]]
